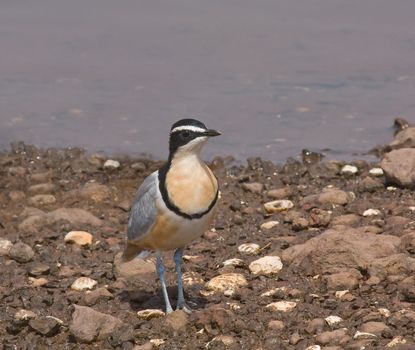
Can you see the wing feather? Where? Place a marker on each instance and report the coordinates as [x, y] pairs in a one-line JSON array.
[[143, 211]]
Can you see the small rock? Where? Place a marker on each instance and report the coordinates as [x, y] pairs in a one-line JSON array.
[[333, 320], [157, 342], [396, 341], [226, 340], [280, 193], [78, 237], [139, 166], [269, 225], [249, 249], [376, 172], [37, 269], [192, 279], [316, 326], [347, 220], [343, 280], [268, 265], [254, 187], [134, 269], [149, 314], [94, 191], [88, 325], [336, 337], [38, 282], [384, 312], [370, 185], [23, 315], [42, 199], [44, 188], [46, 326], [278, 206], [112, 164], [313, 347], [399, 167], [21, 252], [276, 325], [235, 262], [227, 281], [371, 212], [283, 306], [349, 169], [334, 196], [16, 195], [5, 246], [363, 335], [91, 298], [83, 283], [376, 328]]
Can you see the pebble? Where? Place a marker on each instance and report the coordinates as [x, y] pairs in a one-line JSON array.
[[278, 206], [21, 252], [334, 196], [384, 312], [157, 342], [235, 262], [280, 193], [363, 335], [376, 328], [249, 249], [140, 166], [276, 325], [42, 199], [313, 347], [44, 188], [78, 237], [192, 279], [376, 172], [91, 297], [112, 164], [269, 225], [37, 269], [274, 291], [5, 246], [333, 320], [283, 306], [267, 265], [23, 314], [46, 326], [338, 337], [149, 314], [396, 341], [371, 212], [83, 283], [254, 187], [38, 282], [349, 169], [227, 281]]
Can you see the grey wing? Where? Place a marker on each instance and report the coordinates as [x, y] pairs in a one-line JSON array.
[[143, 211]]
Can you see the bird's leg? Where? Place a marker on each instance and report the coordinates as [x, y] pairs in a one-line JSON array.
[[181, 304], [160, 271]]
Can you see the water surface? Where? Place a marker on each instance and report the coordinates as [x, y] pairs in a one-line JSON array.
[[274, 76]]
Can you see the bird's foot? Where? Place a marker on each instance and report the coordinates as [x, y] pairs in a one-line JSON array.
[[186, 308]]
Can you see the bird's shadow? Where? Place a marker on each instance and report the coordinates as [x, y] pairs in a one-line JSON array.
[[140, 299]]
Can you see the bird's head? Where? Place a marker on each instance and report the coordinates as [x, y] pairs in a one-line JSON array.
[[187, 137]]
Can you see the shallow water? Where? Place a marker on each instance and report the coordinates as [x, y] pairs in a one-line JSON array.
[[274, 76]]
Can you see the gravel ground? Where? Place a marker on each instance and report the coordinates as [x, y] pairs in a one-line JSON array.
[[329, 264]]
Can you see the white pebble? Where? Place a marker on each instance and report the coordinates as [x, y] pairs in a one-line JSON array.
[[349, 169], [23, 314], [5, 246], [78, 237], [157, 342], [332, 320], [376, 171], [278, 206], [313, 347], [226, 282], [341, 293], [249, 248], [110, 163], [391, 188], [235, 262], [83, 283], [384, 312], [283, 306], [364, 335], [272, 292], [371, 212], [268, 265], [148, 314], [269, 225], [395, 341]]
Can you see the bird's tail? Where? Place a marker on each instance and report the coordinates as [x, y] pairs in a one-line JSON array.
[[131, 251]]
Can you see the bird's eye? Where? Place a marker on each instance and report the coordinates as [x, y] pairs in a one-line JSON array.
[[185, 134]]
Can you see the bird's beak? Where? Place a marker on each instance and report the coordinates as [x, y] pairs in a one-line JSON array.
[[211, 133]]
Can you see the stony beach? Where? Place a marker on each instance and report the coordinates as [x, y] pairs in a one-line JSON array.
[[312, 254]]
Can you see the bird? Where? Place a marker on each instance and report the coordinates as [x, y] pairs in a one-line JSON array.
[[175, 204]]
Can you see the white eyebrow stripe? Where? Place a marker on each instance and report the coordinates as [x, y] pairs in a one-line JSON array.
[[187, 127]]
